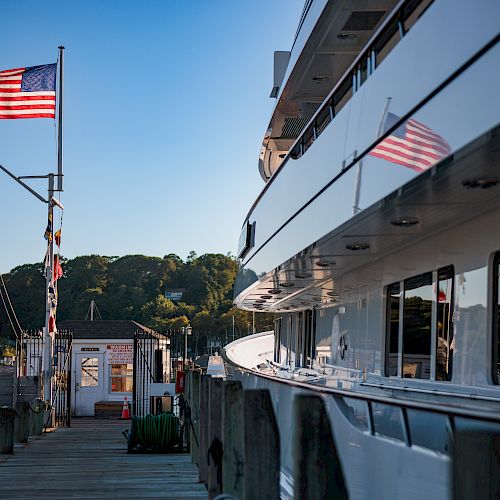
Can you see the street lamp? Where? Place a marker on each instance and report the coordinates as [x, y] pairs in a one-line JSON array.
[[186, 330]]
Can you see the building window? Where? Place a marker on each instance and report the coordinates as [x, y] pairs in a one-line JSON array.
[[392, 329], [417, 325], [90, 372], [444, 323], [122, 377], [496, 319]]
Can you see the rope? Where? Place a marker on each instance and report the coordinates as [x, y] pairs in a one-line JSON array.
[[10, 304], [8, 315], [156, 431]]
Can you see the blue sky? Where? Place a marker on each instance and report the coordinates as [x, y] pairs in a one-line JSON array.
[[166, 103]]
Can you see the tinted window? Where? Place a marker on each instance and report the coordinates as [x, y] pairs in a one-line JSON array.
[[417, 323], [444, 323], [496, 319], [392, 329]]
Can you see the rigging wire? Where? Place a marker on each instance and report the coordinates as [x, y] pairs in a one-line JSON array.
[[10, 304], [8, 316]]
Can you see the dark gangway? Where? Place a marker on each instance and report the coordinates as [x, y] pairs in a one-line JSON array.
[[90, 460]]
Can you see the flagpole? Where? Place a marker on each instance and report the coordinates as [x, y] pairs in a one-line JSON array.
[[357, 185], [49, 269], [60, 124]]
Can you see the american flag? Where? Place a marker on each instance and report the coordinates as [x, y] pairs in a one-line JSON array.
[[413, 145], [28, 92]]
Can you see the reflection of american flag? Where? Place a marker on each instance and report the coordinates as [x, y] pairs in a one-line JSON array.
[[28, 92], [412, 145]]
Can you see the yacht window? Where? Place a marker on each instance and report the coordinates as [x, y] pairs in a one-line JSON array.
[[277, 339], [289, 330], [386, 40], [417, 325], [308, 138], [496, 319], [298, 351], [323, 120], [444, 323], [307, 339], [313, 336], [392, 329]]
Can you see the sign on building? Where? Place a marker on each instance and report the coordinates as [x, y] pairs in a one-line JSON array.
[[174, 294], [120, 353]]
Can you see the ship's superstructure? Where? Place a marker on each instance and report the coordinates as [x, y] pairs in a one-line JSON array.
[[375, 240]]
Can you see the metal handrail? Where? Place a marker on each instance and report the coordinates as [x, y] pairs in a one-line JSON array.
[[440, 408]]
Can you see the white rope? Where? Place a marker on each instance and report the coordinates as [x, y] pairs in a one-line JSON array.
[[8, 315], [10, 304]]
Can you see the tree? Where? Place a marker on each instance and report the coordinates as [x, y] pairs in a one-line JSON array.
[[156, 313]]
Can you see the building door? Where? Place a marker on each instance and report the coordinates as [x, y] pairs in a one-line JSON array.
[[89, 382]]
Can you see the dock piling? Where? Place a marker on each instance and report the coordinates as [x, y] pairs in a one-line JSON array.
[[22, 422], [262, 447], [214, 452], [7, 416], [317, 469], [232, 439], [203, 420]]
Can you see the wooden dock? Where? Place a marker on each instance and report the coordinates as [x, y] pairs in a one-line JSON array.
[[90, 460]]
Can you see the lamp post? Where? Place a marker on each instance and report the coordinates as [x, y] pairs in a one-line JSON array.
[[186, 330]]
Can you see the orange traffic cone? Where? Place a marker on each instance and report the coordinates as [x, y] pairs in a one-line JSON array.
[[125, 410]]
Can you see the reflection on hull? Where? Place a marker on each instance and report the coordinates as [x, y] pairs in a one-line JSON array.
[[375, 244]]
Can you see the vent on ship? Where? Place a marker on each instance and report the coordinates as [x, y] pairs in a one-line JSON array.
[[362, 20], [293, 127]]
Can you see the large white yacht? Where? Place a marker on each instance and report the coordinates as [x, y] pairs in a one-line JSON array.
[[376, 238]]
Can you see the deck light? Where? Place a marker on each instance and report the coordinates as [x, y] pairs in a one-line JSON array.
[[405, 222], [357, 246], [266, 297], [275, 291], [287, 284], [480, 182], [324, 263], [303, 275]]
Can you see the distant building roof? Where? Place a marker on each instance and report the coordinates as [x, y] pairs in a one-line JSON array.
[[103, 329]]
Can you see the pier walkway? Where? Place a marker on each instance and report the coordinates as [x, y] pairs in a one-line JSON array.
[[90, 460]]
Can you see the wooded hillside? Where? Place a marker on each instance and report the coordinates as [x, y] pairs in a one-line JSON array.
[[133, 287]]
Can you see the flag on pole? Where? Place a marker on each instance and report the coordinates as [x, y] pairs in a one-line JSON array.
[[28, 92], [57, 237], [413, 144], [48, 231], [58, 270]]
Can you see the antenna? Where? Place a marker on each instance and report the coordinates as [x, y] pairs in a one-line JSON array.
[[92, 309]]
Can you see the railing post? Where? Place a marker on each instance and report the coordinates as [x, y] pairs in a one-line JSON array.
[[262, 447], [38, 407], [22, 422], [195, 417], [214, 452], [317, 469], [204, 398], [233, 439], [476, 464]]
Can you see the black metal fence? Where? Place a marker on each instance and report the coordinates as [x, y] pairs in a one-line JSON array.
[[61, 380], [30, 372], [151, 365], [29, 354]]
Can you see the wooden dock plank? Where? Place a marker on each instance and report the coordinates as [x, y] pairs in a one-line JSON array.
[[89, 460]]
